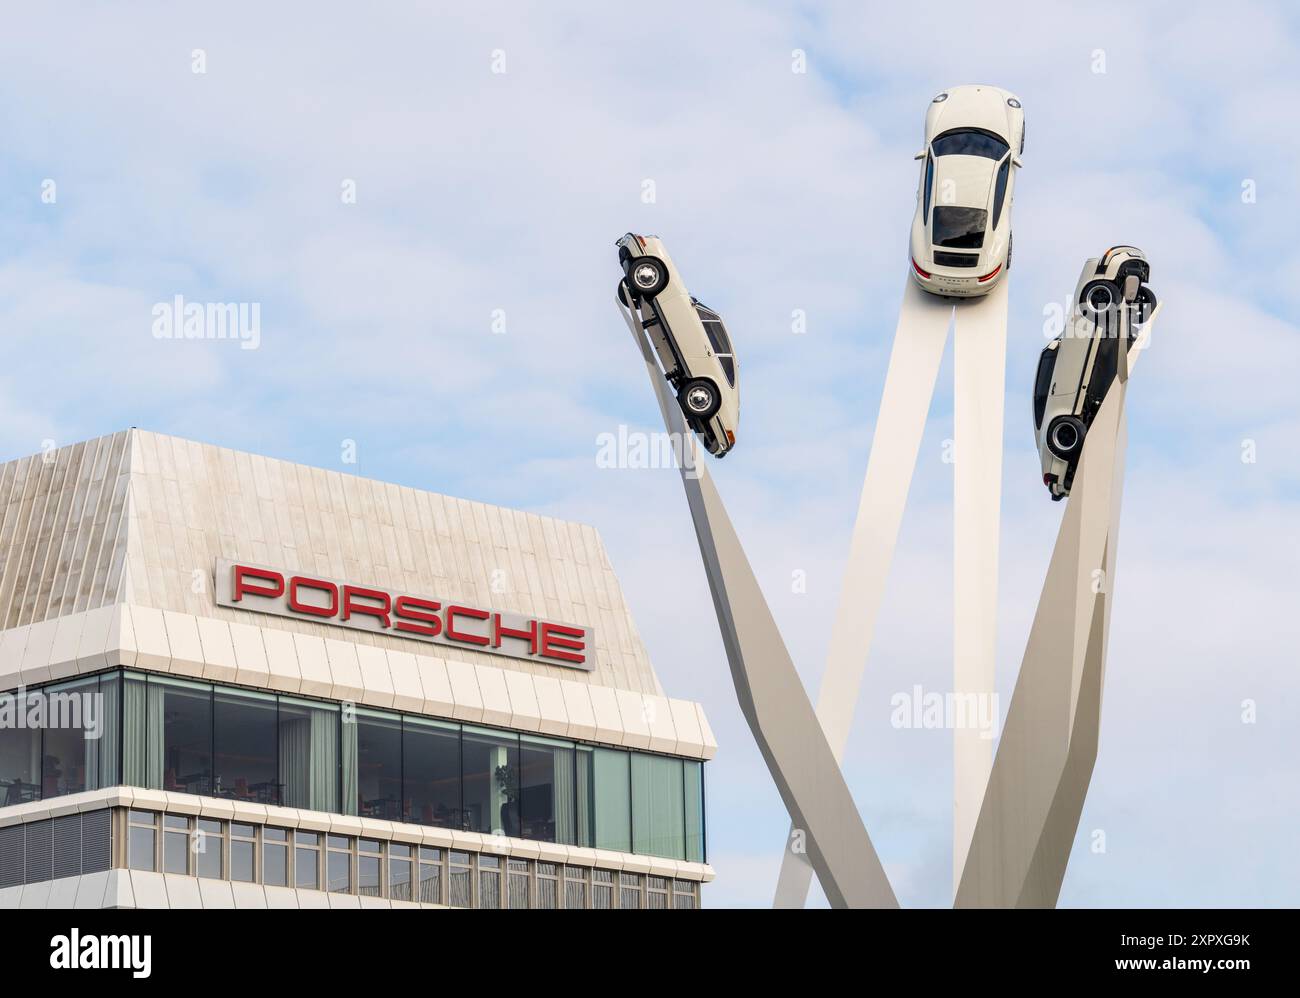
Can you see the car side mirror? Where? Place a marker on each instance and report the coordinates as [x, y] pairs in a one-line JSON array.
[[1015, 161], [921, 154]]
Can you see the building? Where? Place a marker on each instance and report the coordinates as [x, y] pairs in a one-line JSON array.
[[227, 680]]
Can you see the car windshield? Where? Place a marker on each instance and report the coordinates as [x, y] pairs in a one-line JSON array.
[[959, 228], [970, 142], [1043, 384]]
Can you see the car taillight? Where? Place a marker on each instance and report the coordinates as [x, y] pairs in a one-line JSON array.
[[641, 241], [917, 268], [991, 274], [731, 438]]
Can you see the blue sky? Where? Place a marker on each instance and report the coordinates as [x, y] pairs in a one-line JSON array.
[[482, 194]]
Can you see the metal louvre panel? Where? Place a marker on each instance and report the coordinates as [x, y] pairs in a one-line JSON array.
[[66, 858], [96, 841], [942, 259], [40, 843], [518, 897], [12, 855], [548, 895]]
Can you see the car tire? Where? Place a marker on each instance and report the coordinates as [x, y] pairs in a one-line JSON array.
[[1098, 298], [622, 295], [1065, 436], [700, 398], [1145, 304], [646, 276]]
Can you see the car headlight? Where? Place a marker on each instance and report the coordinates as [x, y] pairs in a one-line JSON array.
[[1012, 102], [940, 99]]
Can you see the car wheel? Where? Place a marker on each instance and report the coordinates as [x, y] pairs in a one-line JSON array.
[[646, 276], [1065, 436], [700, 398], [623, 297], [1146, 304], [1099, 297]]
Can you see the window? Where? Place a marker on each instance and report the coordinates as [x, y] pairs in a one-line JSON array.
[[958, 228], [970, 142], [309, 754], [431, 876], [1043, 384], [518, 883], [575, 887], [1000, 189], [491, 781], [694, 775], [306, 861], [656, 892], [369, 868], [176, 843], [275, 857], [548, 885], [714, 328], [208, 851], [399, 871], [244, 747], [243, 853], [183, 760], [602, 889], [69, 756], [431, 773], [658, 802], [459, 893], [339, 864], [683, 894], [547, 778], [613, 812], [928, 187], [489, 881], [629, 890], [372, 784], [142, 840], [20, 758]]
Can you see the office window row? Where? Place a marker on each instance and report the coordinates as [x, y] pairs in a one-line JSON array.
[[200, 738], [345, 864]]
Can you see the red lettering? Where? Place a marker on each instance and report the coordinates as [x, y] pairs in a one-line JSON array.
[[380, 612], [464, 611], [499, 632], [556, 637], [301, 582], [242, 586], [410, 609]]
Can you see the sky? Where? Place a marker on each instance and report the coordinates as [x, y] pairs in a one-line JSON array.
[[422, 202]]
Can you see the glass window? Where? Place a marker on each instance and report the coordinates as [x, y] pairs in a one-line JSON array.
[[547, 790], [613, 801], [377, 775], [107, 747], [584, 794], [1000, 190], [694, 775], [309, 754], [142, 840], [208, 849], [71, 710], [339, 861], [489, 881], [518, 884], [929, 186], [185, 712], [399, 871], [491, 781], [658, 822], [369, 866], [176, 843], [629, 890], [306, 864], [20, 756], [275, 857], [431, 773], [1043, 384], [458, 876], [244, 746], [431, 876], [243, 853], [970, 142], [959, 228], [575, 887]]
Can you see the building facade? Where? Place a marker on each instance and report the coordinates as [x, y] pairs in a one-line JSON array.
[[232, 681]]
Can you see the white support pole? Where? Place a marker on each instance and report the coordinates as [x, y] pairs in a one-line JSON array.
[[979, 355], [769, 690], [909, 387], [1030, 812]]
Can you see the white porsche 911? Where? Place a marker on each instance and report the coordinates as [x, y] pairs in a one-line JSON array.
[[689, 338], [1076, 370], [961, 234]]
